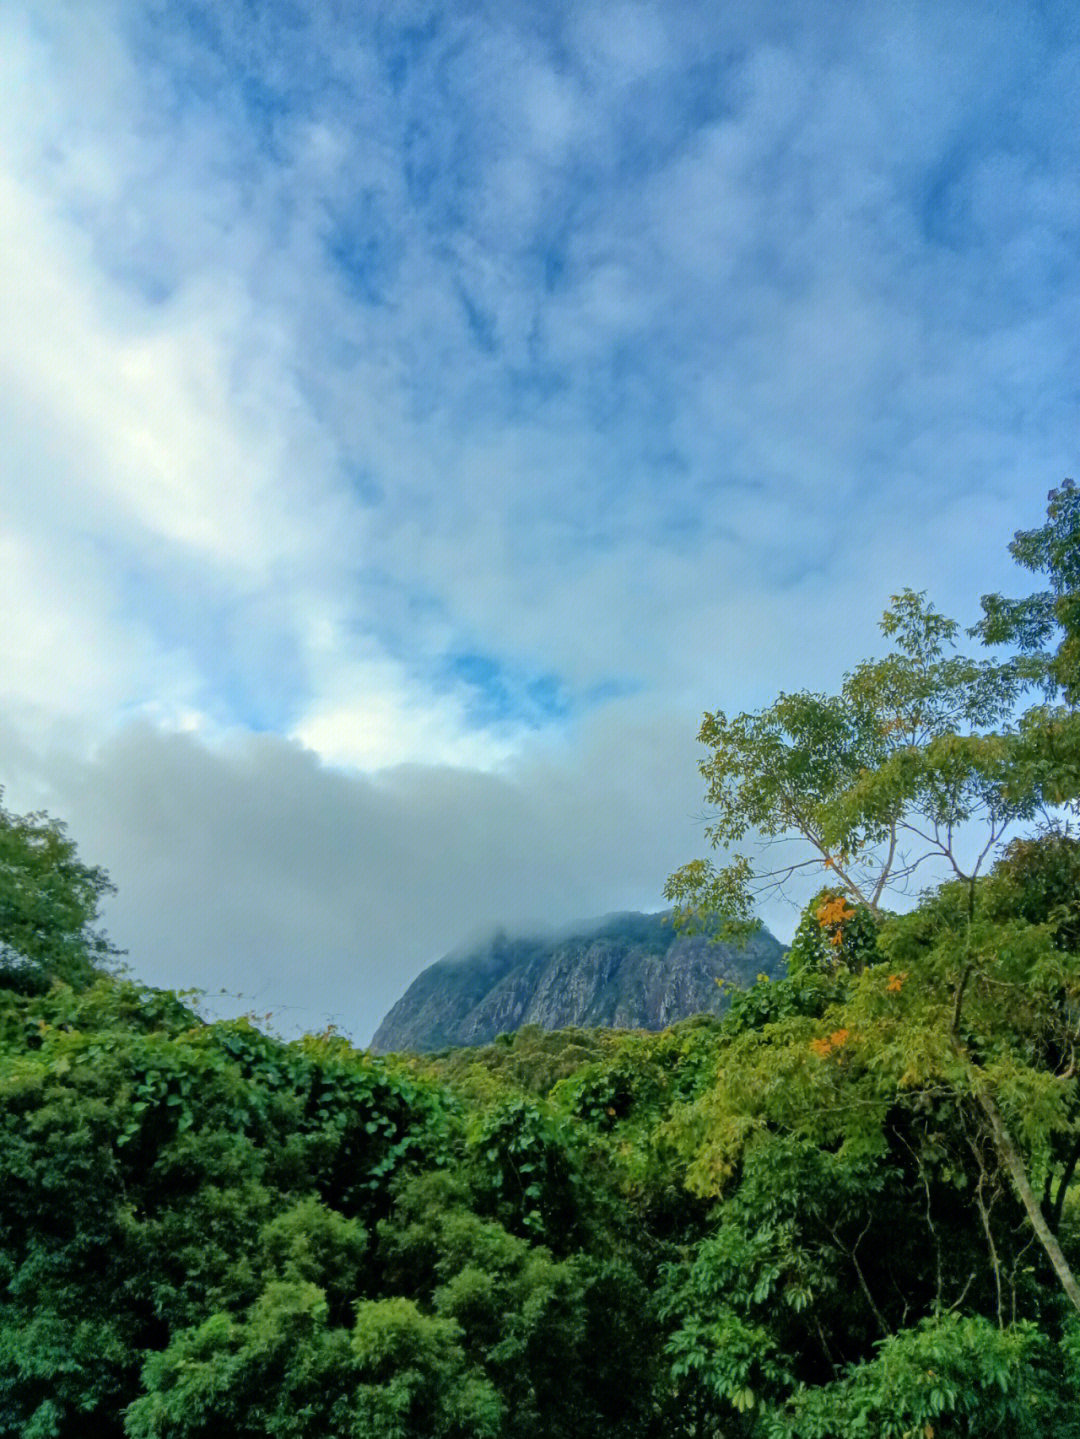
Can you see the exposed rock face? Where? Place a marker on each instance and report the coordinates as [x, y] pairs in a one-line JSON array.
[[627, 971]]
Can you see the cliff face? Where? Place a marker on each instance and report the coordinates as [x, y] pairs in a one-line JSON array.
[[628, 971]]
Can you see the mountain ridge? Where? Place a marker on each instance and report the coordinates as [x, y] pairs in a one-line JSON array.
[[626, 970]]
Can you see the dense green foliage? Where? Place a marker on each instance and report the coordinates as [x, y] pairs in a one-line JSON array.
[[49, 903], [848, 1206], [789, 1221]]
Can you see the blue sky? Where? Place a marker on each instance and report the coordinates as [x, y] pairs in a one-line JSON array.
[[417, 415]]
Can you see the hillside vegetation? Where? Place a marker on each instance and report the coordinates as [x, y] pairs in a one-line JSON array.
[[847, 1206]]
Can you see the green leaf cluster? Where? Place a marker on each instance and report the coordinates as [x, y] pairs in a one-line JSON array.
[[49, 906]]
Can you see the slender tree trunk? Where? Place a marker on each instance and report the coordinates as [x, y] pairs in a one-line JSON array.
[[1010, 1157], [1063, 1185]]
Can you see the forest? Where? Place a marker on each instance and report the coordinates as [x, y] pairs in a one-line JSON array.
[[848, 1206]]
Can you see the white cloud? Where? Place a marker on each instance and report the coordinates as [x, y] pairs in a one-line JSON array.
[[369, 717], [173, 415], [58, 608]]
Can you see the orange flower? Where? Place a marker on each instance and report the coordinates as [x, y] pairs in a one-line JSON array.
[[895, 982], [824, 1047], [834, 911]]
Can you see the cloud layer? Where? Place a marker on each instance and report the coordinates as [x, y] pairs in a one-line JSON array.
[[254, 869]]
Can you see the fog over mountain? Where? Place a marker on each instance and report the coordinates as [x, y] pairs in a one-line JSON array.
[[626, 971]]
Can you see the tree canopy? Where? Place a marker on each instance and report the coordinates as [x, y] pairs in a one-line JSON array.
[[49, 904], [910, 762]]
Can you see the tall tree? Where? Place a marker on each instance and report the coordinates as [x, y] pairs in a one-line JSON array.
[[1044, 627], [49, 905], [905, 765], [918, 753]]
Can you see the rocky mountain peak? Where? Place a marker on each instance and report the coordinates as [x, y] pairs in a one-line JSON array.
[[625, 971]]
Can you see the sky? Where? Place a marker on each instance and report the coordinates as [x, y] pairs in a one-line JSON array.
[[414, 416]]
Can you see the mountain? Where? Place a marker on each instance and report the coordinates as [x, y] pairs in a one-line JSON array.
[[626, 971]]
